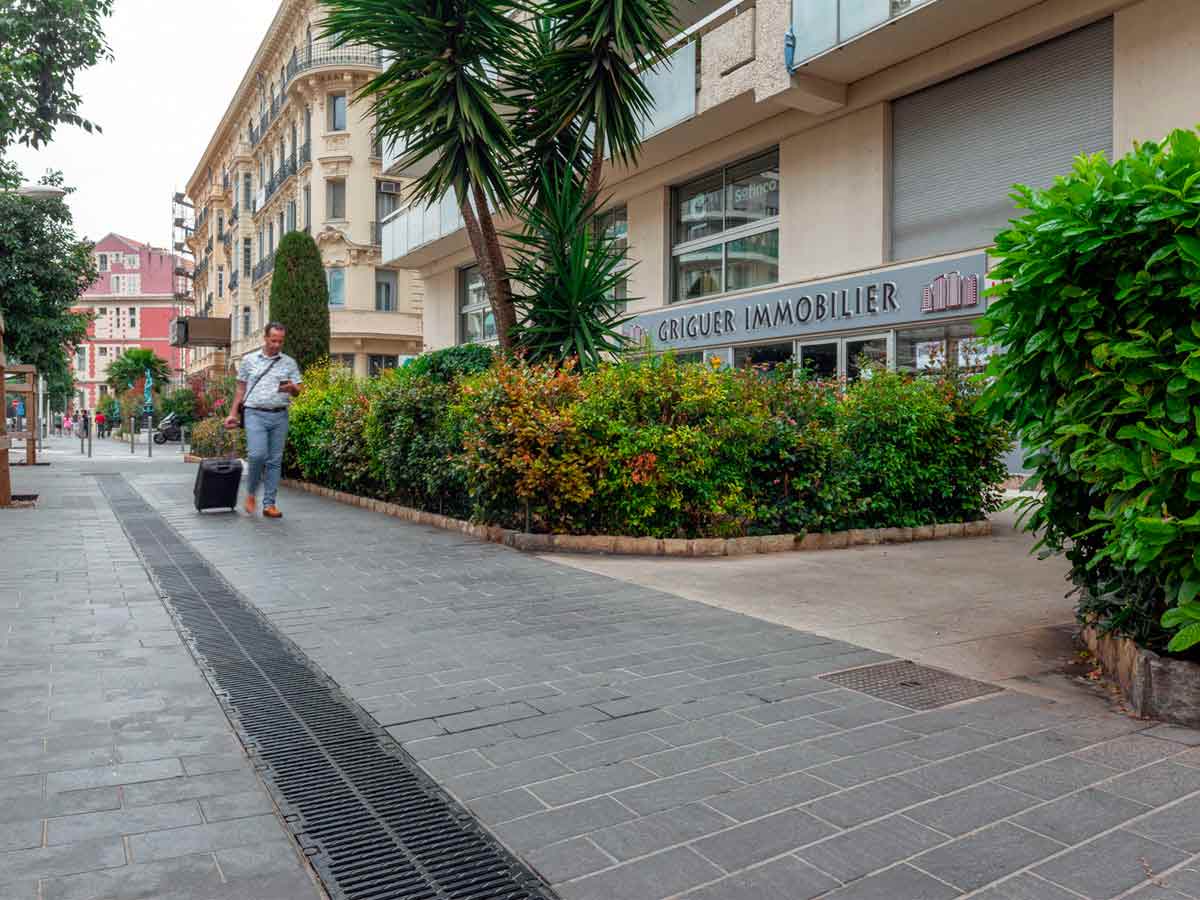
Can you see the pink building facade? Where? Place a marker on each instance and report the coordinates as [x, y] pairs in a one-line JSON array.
[[132, 303]]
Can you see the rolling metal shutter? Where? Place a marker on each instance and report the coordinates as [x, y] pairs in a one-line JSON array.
[[959, 146]]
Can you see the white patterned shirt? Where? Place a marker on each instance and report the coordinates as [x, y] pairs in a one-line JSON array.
[[266, 394]]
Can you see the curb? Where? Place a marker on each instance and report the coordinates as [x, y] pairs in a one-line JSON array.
[[617, 545]]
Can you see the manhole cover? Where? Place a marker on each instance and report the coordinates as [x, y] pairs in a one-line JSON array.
[[907, 684]]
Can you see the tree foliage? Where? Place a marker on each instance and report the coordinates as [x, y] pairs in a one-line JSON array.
[[127, 370], [1098, 309], [570, 274], [43, 44], [504, 102], [44, 269], [300, 298]]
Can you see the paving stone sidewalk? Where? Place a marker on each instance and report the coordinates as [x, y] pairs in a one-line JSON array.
[[631, 745], [119, 774]]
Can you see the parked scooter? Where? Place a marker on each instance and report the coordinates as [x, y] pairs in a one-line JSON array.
[[169, 429]]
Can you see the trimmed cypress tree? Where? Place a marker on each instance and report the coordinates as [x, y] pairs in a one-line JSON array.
[[300, 298]]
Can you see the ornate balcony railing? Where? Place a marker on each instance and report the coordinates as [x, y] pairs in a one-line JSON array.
[[202, 219], [264, 267], [305, 155], [233, 279]]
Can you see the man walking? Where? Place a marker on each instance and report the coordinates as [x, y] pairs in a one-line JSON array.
[[267, 380]]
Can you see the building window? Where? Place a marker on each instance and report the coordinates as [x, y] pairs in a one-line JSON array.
[[725, 233], [81, 358], [335, 199], [103, 351], [933, 347], [613, 225], [270, 238], [247, 190], [336, 104], [342, 359], [307, 124], [385, 291], [337, 286], [476, 321], [291, 215], [307, 206], [245, 321], [103, 311], [104, 390], [133, 315], [247, 255], [220, 222], [220, 281], [131, 260], [116, 284], [377, 363], [102, 261]]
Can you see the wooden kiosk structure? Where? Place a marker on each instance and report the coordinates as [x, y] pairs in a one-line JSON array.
[[26, 388]]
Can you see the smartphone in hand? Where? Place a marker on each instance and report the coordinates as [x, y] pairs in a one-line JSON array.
[[284, 385]]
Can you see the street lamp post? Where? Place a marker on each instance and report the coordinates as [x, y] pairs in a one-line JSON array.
[[33, 192]]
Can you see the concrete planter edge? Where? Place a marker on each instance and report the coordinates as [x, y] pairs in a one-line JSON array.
[[1156, 687]]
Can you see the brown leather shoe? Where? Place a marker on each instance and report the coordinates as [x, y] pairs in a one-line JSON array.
[[272, 512], [251, 504]]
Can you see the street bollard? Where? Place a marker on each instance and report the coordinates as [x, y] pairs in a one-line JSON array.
[[91, 425], [131, 436], [149, 436]]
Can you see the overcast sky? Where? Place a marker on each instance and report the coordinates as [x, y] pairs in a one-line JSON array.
[[176, 64]]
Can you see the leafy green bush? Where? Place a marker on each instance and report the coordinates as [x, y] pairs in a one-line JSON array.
[[922, 452], [673, 446], [525, 462], [654, 447], [451, 363], [414, 443], [1099, 315], [313, 422], [182, 402], [210, 437]]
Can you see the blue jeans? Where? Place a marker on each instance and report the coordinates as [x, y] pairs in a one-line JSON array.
[[266, 433]]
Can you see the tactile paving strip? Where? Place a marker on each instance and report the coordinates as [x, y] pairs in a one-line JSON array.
[[908, 684], [373, 825]]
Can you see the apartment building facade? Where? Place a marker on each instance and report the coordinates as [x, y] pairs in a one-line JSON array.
[[821, 179], [295, 152], [132, 303]]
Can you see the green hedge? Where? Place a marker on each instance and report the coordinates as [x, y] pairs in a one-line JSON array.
[[1099, 315], [656, 447]]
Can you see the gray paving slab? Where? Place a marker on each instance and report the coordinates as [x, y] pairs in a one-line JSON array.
[[109, 732], [592, 725]]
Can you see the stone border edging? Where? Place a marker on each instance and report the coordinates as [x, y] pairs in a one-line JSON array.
[[649, 546], [1155, 686]]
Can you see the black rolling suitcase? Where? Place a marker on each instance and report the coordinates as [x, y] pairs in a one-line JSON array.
[[217, 482]]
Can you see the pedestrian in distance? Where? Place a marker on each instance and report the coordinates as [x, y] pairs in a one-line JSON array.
[[100, 420], [267, 381]]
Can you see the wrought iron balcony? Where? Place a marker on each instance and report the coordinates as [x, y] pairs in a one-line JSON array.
[[208, 246], [233, 280], [323, 53], [264, 267], [202, 219], [233, 214], [305, 155]]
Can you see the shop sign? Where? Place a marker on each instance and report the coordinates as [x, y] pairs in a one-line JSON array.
[[883, 298]]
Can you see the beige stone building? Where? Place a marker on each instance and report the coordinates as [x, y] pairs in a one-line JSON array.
[[295, 152], [822, 178]]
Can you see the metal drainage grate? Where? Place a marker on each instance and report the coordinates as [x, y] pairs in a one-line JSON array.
[[372, 823], [908, 684]]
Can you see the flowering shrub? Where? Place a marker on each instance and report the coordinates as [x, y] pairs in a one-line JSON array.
[[210, 437], [653, 447]]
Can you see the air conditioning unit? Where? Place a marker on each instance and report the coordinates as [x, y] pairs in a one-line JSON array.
[[389, 187]]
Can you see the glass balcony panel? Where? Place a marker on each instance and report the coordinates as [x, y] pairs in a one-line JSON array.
[[451, 216], [416, 222], [815, 24], [430, 230], [672, 84], [862, 15]]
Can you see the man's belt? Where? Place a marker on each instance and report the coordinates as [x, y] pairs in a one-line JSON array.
[[267, 408]]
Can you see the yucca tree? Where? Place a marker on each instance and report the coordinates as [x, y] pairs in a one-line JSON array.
[[591, 74], [440, 96], [569, 273], [494, 94]]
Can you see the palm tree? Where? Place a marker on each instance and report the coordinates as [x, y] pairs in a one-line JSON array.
[[494, 94], [440, 96], [126, 369]]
